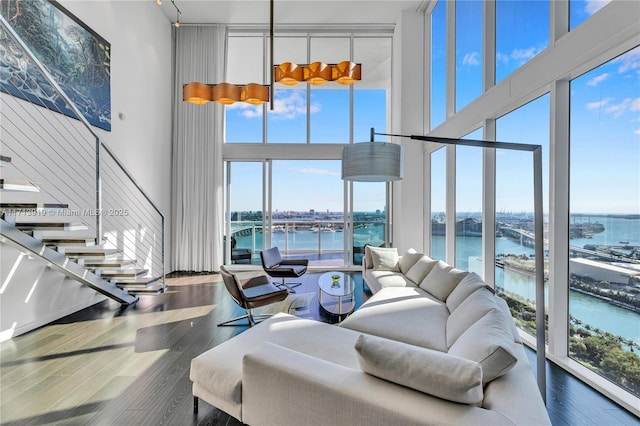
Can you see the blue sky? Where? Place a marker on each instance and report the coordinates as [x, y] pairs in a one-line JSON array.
[[605, 123]]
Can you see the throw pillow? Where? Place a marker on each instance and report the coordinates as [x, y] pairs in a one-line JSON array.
[[468, 285], [385, 259], [408, 260], [420, 269], [488, 342], [426, 370], [442, 279]]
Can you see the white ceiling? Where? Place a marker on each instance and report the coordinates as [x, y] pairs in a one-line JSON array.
[[290, 12]]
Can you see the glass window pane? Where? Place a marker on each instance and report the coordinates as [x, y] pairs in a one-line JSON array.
[[311, 222], [371, 94], [522, 31], [604, 239], [246, 211], [330, 101], [469, 206], [515, 249], [244, 65], [438, 64], [438, 203], [369, 216], [581, 10], [468, 52], [287, 122]]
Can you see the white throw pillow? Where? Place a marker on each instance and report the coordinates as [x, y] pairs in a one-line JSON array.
[[385, 258], [408, 260], [442, 279], [488, 342], [468, 285], [420, 269], [474, 307], [426, 370]]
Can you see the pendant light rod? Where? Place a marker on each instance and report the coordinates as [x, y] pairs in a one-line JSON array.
[[271, 71]]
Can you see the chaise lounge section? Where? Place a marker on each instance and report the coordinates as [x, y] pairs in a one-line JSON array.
[[442, 351]]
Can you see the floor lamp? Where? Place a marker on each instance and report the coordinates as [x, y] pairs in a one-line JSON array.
[[352, 169]]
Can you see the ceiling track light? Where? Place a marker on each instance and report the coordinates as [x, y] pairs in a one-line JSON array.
[[178, 13]]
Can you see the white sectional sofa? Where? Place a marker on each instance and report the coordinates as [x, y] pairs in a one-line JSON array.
[[433, 345]]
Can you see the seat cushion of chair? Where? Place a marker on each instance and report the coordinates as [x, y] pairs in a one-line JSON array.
[[287, 270]]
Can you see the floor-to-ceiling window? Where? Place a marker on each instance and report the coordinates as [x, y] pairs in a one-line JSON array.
[[468, 52], [515, 260], [437, 110], [604, 228], [522, 31], [588, 130], [438, 203], [306, 207], [469, 206]]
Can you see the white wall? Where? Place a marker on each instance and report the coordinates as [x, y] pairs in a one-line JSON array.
[[31, 294]]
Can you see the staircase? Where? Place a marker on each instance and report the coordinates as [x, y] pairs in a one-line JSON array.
[[78, 256], [119, 255]]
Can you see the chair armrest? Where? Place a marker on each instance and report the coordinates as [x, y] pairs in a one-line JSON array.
[[278, 381]]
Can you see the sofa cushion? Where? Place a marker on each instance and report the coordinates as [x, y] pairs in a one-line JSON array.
[[420, 269], [468, 285], [385, 259], [488, 342], [408, 260], [442, 279], [474, 307], [432, 372], [369, 256], [405, 314]]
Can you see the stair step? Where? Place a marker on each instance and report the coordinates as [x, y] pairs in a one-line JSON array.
[[123, 273], [153, 289], [51, 226], [5, 161], [117, 263], [18, 185], [95, 252], [14, 207], [137, 283], [61, 241]]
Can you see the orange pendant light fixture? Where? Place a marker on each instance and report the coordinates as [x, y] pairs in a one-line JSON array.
[[317, 73], [225, 93]]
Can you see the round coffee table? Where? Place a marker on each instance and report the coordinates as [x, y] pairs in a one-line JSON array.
[[338, 289]]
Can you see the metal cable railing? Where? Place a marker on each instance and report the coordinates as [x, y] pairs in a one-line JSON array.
[[69, 162]]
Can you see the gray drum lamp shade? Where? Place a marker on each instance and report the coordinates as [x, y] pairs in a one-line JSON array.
[[372, 162]]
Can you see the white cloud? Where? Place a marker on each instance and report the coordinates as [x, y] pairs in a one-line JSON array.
[[627, 105], [637, 132], [501, 57], [629, 61], [592, 6], [247, 110], [312, 171], [471, 58], [287, 105], [598, 104], [518, 55], [598, 79]]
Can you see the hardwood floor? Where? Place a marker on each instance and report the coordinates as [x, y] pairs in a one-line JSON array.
[[123, 366]]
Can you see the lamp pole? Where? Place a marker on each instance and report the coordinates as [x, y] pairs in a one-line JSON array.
[[536, 150]]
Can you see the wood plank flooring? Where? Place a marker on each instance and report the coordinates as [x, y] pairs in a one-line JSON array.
[[108, 365]]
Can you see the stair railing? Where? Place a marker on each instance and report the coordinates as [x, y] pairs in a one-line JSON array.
[[124, 214]]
